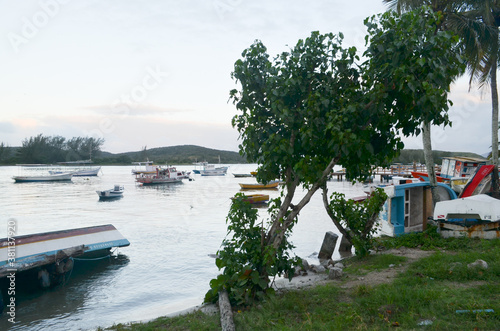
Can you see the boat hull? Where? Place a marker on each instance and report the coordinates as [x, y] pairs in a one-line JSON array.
[[40, 249], [48, 178], [477, 216], [258, 186]]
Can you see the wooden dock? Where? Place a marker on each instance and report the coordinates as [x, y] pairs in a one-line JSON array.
[[395, 170]]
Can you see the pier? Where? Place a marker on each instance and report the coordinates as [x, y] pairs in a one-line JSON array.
[[397, 169]]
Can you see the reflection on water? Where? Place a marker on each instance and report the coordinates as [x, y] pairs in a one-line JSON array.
[[61, 300], [172, 229]]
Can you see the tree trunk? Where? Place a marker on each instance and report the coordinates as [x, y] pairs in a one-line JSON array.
[[429, 161], [494, 130], [226, 313]]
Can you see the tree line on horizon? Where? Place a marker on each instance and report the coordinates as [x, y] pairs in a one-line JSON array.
[[41, 149]]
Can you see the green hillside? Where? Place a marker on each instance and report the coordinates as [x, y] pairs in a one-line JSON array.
[[185, 154], [409, 156]]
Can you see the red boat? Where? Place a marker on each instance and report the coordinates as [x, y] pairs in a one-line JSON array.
[[424, 177]]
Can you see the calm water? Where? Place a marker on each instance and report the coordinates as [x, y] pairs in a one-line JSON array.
[[172, 229]]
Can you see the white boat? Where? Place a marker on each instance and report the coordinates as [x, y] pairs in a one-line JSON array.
[[161, 176], [80, 168], [211, 170], [44, 178], [476, 216], [115, 192], [78, 173], [147, 167], [51, 253], [408, 207]]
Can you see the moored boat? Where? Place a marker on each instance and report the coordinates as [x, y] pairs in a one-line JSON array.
[[44, 178], [161, 176], [211, 170], [256, 199], [147, 167], [38, 252], [115, 192], [271, 185]]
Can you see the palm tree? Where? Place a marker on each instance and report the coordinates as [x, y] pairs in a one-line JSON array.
[[477, 24]]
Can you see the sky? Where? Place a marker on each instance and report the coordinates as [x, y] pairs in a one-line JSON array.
[[158, 73]]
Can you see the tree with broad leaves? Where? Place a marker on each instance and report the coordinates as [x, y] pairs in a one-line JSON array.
[[410, 66], [314, 107], [477, 23]]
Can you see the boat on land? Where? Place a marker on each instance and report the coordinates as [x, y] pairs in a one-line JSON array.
[[162, 176], [424, 177], [271, 185], [476, 216], [49, 255], [115, 192], [147, 167], [44, 178], [408, 207], [479, 183], [453, 168]]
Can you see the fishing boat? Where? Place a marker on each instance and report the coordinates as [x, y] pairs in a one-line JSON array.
[[476, 216], [271, 185], [80, 168], [408, 207], [147, 167], [256, 199], [242, 175], [50, 254], [115, 192], [209, 169], [452, 169], [424, 177], [44, 178], [161, 176], [479, 183]]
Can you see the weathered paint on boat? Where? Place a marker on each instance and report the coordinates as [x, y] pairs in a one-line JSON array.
[[408, 206], [477, 216], [21, 253]]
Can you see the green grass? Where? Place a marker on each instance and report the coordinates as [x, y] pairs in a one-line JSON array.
[[431, 290], [361, 266]]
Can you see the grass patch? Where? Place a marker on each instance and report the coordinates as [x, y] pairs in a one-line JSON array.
[[426, 296], [361, 266], [192, 321]]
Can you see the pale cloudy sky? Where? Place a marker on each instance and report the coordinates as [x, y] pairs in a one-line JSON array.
[[157, 73]]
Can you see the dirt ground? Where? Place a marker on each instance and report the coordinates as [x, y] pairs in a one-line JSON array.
[[349, 281]]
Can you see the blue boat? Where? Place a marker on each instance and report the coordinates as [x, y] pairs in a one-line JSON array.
[[408, 207]]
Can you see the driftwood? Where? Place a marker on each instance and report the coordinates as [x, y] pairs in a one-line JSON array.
[[226, 313]]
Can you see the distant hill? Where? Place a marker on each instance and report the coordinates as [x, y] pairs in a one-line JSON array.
[[409, 156], [184, 154]]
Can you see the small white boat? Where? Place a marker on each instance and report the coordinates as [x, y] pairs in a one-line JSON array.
[[44, 178], [211, 170], [115, 192], [477, 216]]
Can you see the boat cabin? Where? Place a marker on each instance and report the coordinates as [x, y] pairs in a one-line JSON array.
[[460, 166]]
